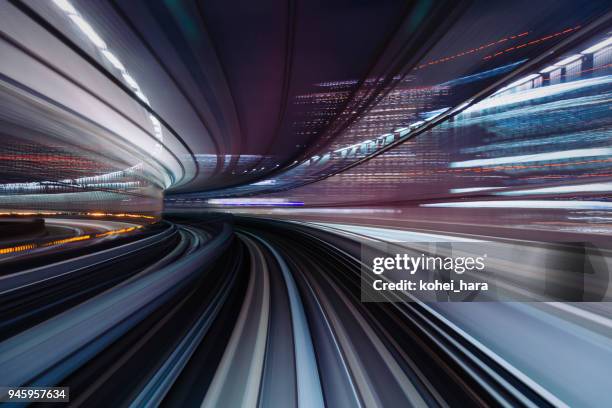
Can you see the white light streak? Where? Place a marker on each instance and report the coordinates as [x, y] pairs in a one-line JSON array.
[[560, 155], [520, 81], [536, 93], [600, 45], [130, 81], [65, 6], [462, 106], [543, 204], [97, 41], [580, 188], [352, 146], [549, 69], [88, 30], [472, 189], [270, 182], [113, 60], [569, 60], [252, 201]]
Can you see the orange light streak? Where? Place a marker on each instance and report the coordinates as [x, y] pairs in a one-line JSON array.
[[26, 247], [534, 42]]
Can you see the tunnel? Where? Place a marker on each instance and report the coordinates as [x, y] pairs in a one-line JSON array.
[[306, 203]]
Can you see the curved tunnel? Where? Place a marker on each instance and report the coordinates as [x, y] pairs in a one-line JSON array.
[[305, 203]]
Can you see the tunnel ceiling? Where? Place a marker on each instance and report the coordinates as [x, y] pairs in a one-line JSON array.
[[240, 71], [252, 90]]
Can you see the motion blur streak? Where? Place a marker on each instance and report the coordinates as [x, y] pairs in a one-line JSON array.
[[196, 198], [272, 313]]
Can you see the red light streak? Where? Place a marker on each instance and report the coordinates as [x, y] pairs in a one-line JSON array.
[[476, 49], [534, 42]]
